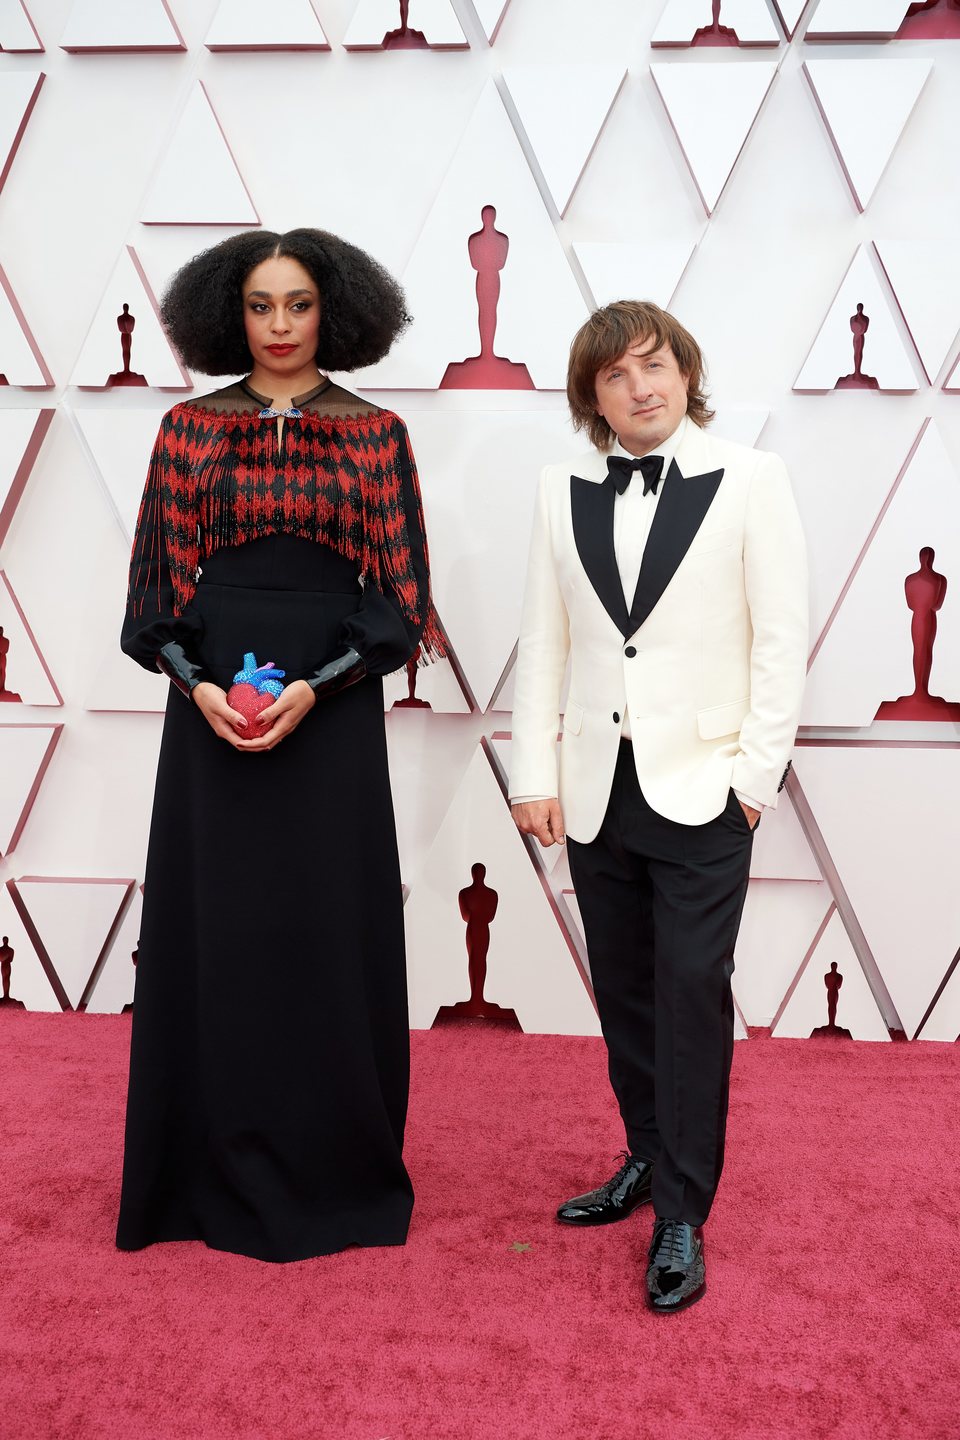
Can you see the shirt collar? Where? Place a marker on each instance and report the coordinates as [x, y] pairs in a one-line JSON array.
[[297, 400], [668, 449]]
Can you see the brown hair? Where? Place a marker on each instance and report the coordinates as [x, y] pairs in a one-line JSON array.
[[605, 337]]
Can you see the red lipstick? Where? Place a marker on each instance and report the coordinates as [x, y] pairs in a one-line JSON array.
[[281, 349]]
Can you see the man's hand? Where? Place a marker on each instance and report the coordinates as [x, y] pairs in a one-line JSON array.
[[542, 818], [752, 815]]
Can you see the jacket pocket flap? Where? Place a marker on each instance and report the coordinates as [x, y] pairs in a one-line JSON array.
[[720, 720], [573, 717]]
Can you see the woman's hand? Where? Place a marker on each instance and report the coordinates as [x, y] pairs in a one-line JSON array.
[[211, 701], [283, 716]]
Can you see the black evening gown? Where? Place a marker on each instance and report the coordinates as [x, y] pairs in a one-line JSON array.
[[270, 1053]]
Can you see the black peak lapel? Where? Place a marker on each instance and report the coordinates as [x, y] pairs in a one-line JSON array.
[[591, 506], [683, 503]]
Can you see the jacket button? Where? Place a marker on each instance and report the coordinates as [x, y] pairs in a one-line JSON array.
[[616, 718], [630, 651]]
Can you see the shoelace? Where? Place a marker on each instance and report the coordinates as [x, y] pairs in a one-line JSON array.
[[628, 1164], [668, 1244]]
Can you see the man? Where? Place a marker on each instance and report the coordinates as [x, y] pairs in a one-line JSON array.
[[669, 566]]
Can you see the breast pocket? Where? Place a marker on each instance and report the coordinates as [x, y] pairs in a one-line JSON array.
[[714, 540]]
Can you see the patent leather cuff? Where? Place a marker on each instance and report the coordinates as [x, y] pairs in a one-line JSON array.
[[181, 669], [343, 669]]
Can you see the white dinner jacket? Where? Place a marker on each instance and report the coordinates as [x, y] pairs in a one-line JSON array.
[[709, 660]]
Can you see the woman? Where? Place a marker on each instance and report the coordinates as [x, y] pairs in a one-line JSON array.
[[281, 516]]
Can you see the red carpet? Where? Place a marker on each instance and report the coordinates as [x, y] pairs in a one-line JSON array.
[[832, 1300]]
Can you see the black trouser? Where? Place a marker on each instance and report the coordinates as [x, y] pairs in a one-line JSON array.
[[661, 905]]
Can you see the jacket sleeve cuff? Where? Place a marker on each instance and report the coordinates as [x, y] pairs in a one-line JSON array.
[[344, 668], [182, 669]]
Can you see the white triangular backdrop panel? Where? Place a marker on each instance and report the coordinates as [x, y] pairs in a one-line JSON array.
[[885, 355], [731, 93], [96, 25], [852, 676], [18, 96], [865, 105], [806, 1010], [896, 884], [21, 362], [25, 753], [198, 182], [250, 25], [21, 435], [540, 302], [151, 355], [923, 275], [529, 966], [750, 20], [29, 982], [73, 918], [18, 34], [563, 109], [436, 20]]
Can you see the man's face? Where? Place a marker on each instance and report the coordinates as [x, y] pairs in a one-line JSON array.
[[642, 396]]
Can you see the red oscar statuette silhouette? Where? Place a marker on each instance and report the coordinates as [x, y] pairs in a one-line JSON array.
[[925, 592], [833, 981], [6, 960], [126, 376], [931, 20], [478, 906], [856, 380], [487, 371], [411, 701], [405, 38], [715, 33], [5, 694]]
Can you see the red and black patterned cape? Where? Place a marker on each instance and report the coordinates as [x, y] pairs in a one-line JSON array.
[[222, 477]]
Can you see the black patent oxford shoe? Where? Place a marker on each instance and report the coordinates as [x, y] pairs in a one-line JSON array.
[[676, 1273], [615, 1200]]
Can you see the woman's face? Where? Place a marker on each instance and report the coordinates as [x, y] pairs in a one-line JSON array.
[[281, 315]]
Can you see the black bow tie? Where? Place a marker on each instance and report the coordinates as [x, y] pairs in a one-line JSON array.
[[620, 470]]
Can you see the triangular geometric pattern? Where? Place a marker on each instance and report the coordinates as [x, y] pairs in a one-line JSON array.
[[113, 25], [943, 1022], [952, 382], [21, 435], [24, 675], [540, 303], [31, 987], [18, 34], [790, 13], [852, 675], [438, 686], [731, 94], [72, 923], [198, 182], [885, 359], [530, 965], [25, 753], [899, 884], [21, 363], [479, 482], [563, 109], [780, 921], [856, 19], [101, 361], [112, 988], [648, 269], [119, 444], [925, 279], [435, 20], [490, 13], [781, 851], [865, 106], [118, 685], [743, 22], [832, 965], [18, 95], [249, 25]]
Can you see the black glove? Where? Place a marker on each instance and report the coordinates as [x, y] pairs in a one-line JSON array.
[[343, 669], [185, 672]]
